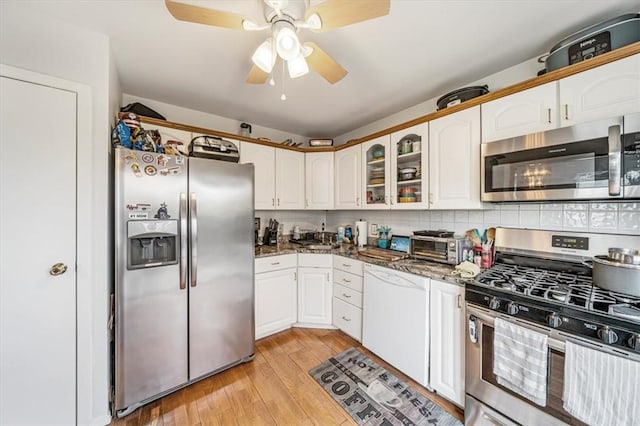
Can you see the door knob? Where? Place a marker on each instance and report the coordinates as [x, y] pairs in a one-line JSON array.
[[58, 269]]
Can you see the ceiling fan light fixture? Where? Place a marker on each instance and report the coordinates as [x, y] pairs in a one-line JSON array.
[[314, 22], [264, 57], [249, 25], [287, 43], [297, 66]]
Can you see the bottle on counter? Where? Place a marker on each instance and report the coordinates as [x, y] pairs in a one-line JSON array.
[[340, 237], [477, 255]]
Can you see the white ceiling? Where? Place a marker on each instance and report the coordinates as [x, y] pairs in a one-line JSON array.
[[421, 50]]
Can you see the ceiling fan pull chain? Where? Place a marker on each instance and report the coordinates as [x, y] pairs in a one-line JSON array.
[[283, 97]]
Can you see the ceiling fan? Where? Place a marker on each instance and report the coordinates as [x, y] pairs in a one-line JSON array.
[[284, 18]]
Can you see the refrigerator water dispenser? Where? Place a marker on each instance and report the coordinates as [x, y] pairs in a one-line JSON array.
[[152, 243]]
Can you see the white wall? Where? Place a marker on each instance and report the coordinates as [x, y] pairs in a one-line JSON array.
[[602, 217], [192, 117], [53, 48], [502, 79]]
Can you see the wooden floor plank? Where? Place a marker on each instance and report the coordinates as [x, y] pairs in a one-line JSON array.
[[274, 389]]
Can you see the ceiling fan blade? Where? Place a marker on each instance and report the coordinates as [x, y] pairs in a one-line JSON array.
[[257, 76], [340, 13], [202, 15], [324, 64]]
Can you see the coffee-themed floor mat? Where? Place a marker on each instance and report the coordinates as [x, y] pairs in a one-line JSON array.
[[373, 396]]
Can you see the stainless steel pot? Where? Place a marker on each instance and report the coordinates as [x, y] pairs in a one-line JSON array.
[[615, 276], [624, 255]]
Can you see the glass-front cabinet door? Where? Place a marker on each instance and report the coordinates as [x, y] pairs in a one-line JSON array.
[[409, 160], [376, 160]]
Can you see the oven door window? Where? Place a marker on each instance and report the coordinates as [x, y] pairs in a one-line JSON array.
[[582, 164], [555, 381]]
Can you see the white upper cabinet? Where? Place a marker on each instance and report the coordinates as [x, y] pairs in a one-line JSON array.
[[348, 178], [264, 162], [530, 111], [409, 160], [319, 180], [606, 91], [454, 161], [289, 180], [376, 168]]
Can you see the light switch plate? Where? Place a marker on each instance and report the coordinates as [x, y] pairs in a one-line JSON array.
[[373, 230]]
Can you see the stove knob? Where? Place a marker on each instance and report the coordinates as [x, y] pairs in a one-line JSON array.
[[554, 320], [607, 335], [634, 342], [512, 308], [494, 303]]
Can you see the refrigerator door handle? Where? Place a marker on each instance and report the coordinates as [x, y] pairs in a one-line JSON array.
[[183, 241], [193, 216]]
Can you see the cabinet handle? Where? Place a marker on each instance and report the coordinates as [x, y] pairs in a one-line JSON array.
[[358, 201], [459, 301], [275, 263], [273, 202], [346, 265], [386, 200], [566, 111], [295, 276], [346, 319], [346, 280], [392, 198], [549, 115], [492, 420], [346, 295], [327, 277], [306, 202], [278, 201]]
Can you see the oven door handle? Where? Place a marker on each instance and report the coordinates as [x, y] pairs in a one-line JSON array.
[[615, 159]]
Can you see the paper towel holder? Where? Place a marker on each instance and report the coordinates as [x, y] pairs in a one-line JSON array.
[[361, 233]]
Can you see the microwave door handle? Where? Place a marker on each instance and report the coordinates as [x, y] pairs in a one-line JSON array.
[[615, 157], [183, 241]]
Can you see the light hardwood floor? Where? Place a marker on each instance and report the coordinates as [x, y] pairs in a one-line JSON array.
[[274, 389]]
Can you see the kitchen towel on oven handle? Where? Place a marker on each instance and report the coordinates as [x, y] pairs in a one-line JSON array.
[[520, 360], [600, 388]]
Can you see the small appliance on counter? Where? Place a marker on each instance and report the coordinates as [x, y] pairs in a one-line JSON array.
[[214, 148], [398, 249], [256, 231], [437, 246], [270, 237], [594, 41]]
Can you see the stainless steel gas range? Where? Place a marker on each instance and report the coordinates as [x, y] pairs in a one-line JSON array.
[[541, 284]]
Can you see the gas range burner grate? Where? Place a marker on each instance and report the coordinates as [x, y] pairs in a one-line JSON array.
[[624, 310]]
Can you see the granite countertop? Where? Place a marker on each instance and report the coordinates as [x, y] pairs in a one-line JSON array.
[[424, 268]]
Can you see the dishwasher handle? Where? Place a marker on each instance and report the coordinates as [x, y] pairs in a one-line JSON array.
[[393, 280]]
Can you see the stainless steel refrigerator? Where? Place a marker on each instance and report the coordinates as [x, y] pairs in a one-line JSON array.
[[184, 272]]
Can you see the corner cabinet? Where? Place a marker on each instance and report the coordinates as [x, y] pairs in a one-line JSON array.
[[447, 338], [275, 294], [263, 159], [409, 168], [319, 180], [289, 179], [454, 161], [348, 178], [314, 290], [376, 172], [609, 90]]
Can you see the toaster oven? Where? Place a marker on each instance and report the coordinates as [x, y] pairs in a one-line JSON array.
[[437, 247]]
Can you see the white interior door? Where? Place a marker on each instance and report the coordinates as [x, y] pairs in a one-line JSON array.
[[38, 228]]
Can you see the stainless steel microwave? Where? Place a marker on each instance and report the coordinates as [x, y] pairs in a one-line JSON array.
[[595, 160]]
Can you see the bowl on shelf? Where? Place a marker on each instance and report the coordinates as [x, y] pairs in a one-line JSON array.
[[407, 173], [408, 191], [378, 154]]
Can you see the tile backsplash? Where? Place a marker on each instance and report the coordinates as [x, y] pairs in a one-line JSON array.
[[614, 218]]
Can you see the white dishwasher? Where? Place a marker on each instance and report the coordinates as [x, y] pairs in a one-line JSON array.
[[395, 324]]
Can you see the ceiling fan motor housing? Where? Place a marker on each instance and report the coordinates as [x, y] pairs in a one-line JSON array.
[[294, 9]]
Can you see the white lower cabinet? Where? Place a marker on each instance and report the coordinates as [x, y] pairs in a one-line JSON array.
[[275, 294], [314, 290], [447, 340], [347, 296]]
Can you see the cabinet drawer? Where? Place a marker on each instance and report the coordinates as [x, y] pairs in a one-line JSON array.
[[275, 263], [347, 294], [314, 260], [347, 264], [348, 280], [347, 318]]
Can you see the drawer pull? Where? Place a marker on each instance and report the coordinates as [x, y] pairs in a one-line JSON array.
[[275, 263], [346, 319], [346, 280], [346, 295], [346, 265]]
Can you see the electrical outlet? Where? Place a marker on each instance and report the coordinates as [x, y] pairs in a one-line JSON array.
[[373, 230]]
